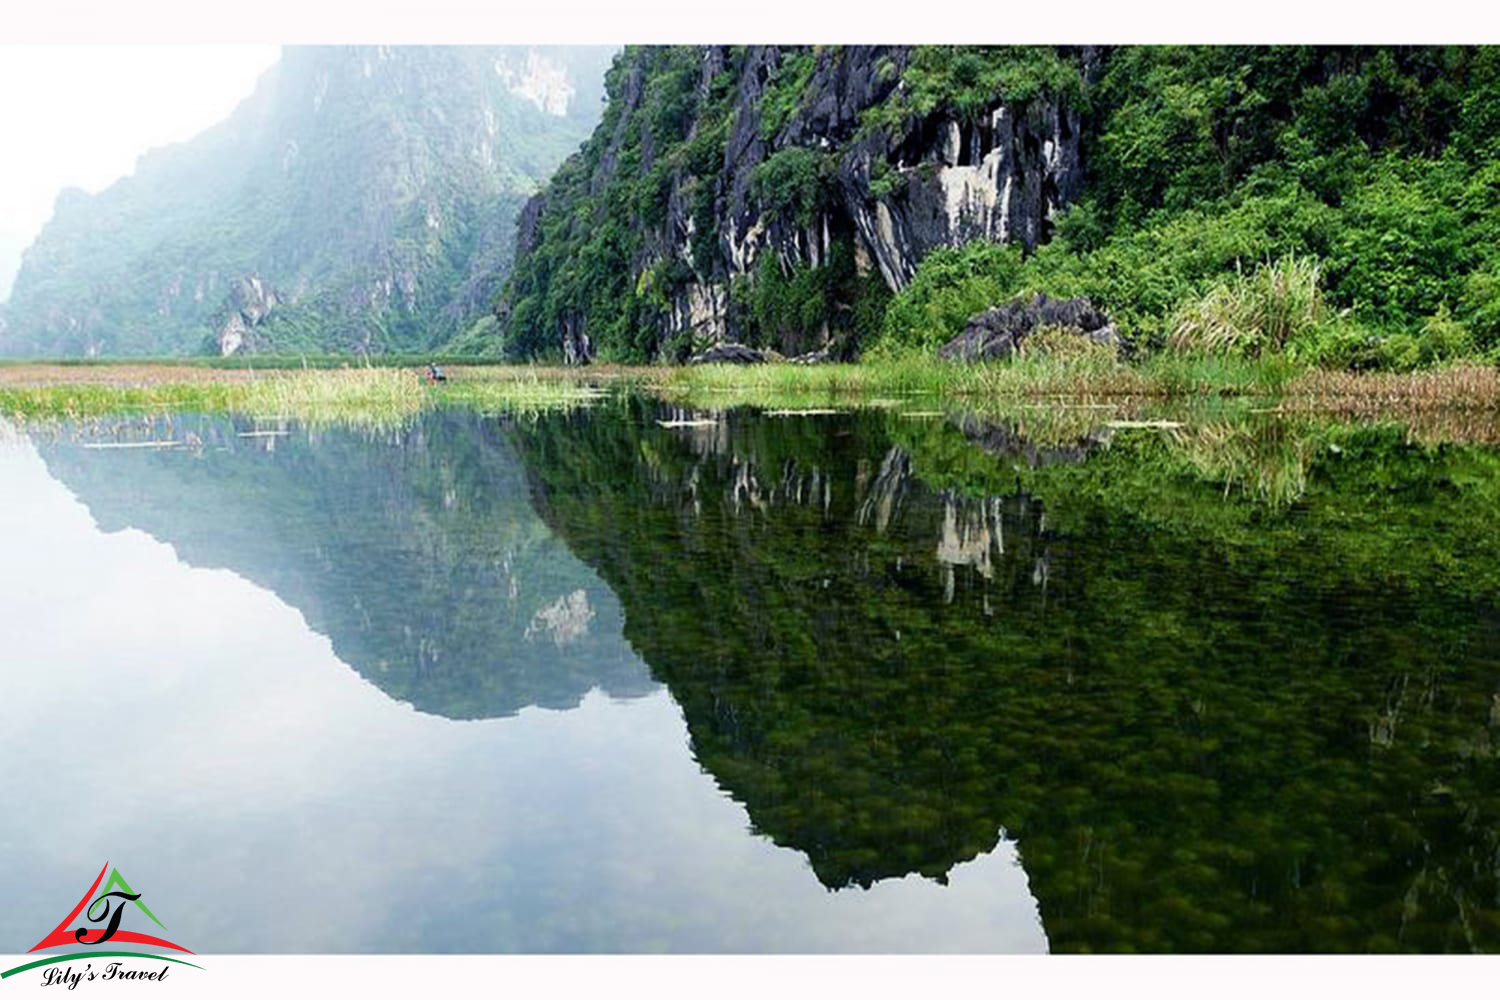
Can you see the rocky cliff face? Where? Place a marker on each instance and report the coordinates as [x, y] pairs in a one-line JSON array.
[[719, 174], [249, 303], [368, 194], [928, 180], [1000, 180]]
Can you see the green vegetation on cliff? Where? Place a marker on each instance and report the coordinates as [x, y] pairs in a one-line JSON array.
[[737, 194], [591, 232], [1206, 164], [699, 150]]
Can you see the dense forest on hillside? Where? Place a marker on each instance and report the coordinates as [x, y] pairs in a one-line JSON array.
[[1340, 205]]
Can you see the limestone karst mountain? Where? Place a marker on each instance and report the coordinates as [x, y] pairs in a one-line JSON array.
[[835, 198], [360, 200]]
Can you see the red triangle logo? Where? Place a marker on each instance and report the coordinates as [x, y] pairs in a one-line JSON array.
[[97, 928]]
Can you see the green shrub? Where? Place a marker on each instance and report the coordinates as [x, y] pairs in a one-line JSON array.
[[1082, 226], [1444, 338], [791, 183], [652, 194], [670, 102], [1402, 250], [1399, 352], [951, 285], [1480, 304], [1337, 341], [784, 92], [1140, 274], [1342, 343], [885, 181], [966, 81], [787, 307]]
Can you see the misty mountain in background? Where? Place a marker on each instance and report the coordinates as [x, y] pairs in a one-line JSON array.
[[362, 199]]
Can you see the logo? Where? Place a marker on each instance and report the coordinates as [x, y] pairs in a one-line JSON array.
[[103, 914]]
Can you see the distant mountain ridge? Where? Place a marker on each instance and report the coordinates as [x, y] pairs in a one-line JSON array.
[[362, 199]]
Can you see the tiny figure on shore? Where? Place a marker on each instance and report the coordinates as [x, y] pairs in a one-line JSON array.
[[435, 374]]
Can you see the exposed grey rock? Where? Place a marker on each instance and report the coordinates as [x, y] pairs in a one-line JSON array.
[[527, 223], [577, 348], [1001, 180], [997, 333], [823, 356], [249, 302], [729, 354], [699, 309]]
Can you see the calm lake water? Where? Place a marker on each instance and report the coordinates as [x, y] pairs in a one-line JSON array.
[[634, 678]]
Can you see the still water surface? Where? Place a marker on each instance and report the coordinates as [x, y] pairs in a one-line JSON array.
[[630, 679]]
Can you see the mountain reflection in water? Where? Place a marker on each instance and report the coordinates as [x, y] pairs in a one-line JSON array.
[[1226, 689]]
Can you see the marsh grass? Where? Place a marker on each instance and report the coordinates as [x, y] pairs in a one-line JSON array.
[[383, 396], [1466, 386], [375, 397], [526, 392], [1059, 344], [69, 402], [1252, 315], [901, 379], [1256, 427]]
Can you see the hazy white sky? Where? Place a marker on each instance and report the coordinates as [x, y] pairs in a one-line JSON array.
[[80, 116]]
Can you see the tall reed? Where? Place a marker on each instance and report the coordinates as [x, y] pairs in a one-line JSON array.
[[1255, 314]]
